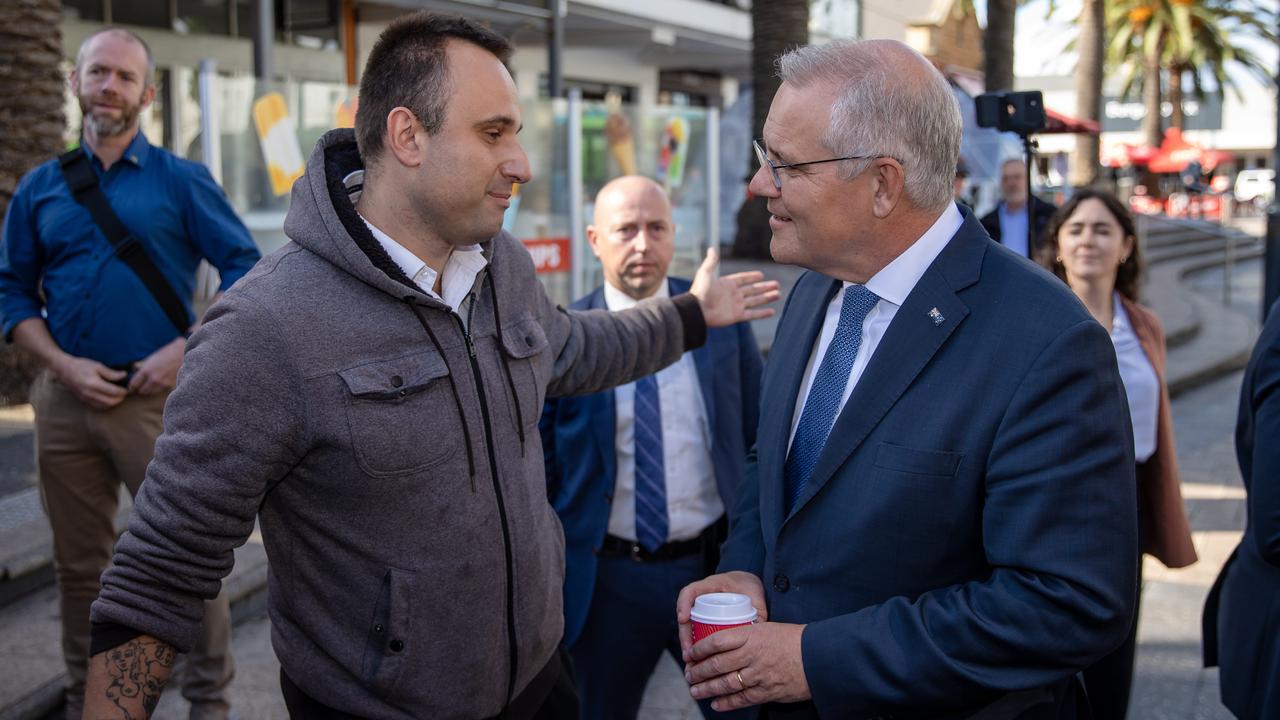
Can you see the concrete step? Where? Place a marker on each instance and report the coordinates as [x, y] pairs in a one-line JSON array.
[[1201, 247], [30, 636]]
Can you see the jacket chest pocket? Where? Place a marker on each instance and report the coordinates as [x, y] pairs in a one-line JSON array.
[[402, 414], [522, 342]]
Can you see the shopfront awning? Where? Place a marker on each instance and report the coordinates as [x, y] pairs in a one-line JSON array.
[[1056, 122]]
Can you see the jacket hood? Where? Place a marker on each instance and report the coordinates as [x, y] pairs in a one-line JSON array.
[[323, 219]]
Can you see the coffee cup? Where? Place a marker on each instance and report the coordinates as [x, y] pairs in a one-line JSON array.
[[714, 612]]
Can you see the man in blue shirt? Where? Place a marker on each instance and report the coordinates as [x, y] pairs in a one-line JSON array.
[[1007, 224], [111, 354]]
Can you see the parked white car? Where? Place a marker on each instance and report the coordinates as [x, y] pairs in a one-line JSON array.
[[1255, 186]]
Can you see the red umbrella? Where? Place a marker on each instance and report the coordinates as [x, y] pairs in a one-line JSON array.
[[1176, 153]]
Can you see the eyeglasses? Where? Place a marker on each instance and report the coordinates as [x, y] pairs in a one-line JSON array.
[[763, 157]]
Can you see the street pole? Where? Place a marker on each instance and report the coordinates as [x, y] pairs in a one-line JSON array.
[[264, 38], [1271, 264], [555, 49]]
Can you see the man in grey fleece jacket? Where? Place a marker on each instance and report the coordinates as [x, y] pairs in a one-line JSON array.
[[379, 417]]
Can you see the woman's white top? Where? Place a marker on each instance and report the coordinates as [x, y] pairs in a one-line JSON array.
[[1140, 383]]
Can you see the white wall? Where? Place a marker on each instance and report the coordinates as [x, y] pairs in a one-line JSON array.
[[889, 18]]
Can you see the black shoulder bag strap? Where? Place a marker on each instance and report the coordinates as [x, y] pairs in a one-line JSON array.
[[84, 188]]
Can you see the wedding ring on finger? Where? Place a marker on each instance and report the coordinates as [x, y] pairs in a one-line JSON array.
[[741, 685]]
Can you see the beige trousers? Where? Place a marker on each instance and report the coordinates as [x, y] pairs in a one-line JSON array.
[[83, 455]]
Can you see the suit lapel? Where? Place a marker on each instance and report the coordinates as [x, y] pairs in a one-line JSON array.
[[912, 339], [788, 356]]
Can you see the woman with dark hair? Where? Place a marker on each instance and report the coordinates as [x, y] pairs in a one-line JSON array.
[[1092, 245]]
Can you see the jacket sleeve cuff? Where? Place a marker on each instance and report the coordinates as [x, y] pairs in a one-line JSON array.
[[108, 635], [695, 325]]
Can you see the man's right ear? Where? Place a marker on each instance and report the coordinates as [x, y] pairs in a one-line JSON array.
[[405, 137]]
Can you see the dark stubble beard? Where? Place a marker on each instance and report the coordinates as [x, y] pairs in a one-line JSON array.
[[108, 126]]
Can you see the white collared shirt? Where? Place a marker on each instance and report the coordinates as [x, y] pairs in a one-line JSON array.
[[693, 500], [1140, 382], [892, 285], [460, 270]]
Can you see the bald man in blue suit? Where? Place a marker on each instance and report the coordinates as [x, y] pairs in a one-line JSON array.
[[631, 545]]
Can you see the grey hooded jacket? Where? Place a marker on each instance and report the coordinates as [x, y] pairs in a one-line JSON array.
[[392, 456]]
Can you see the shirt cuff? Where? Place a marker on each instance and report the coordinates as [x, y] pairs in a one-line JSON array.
[[13, 316], [695, 325], [108, 635]]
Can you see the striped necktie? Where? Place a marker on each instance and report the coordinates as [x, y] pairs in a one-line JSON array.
[[651, 478]]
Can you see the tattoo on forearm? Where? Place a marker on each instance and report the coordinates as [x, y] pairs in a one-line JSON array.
[[136, 671]]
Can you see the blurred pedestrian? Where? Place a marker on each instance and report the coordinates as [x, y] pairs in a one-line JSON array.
[[1242, 612], [938, 518], [1007, 224], [642, 475], [97, 272], [1092, 244]]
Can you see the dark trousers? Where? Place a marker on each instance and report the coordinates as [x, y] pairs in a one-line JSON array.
[[631, 622]]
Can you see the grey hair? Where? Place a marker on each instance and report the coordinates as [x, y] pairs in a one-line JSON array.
[[880, 109], [129, 35]]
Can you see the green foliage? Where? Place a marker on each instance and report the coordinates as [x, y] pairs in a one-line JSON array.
[[1195, 38]]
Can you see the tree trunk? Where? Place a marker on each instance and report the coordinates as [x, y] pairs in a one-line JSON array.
[[1176, 119], [1084, 165], [1152, 127], [776, 26], [31, 98], [997, 45]]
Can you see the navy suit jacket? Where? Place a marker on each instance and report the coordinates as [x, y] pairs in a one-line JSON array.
[[578, 440], [969, 533], [1242, 612]]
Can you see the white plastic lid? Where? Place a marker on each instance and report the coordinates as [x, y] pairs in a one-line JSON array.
[[723, 609]]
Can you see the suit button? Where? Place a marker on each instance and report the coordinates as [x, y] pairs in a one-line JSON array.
[[781, 583], [396, 646], [396, 381]]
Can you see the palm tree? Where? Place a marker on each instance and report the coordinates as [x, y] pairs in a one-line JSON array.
[[1137, 29], [1158, 42], [997, 44], [997, 39], [31, 97], [776, 27], [1208, 43], [1089, 45]]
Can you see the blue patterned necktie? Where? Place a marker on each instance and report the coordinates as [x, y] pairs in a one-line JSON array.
[[651, 478], [823, 403]]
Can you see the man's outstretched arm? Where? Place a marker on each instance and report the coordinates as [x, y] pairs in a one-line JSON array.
[[125, 681]]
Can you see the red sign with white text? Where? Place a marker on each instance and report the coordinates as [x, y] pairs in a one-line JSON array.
[[550, 255]]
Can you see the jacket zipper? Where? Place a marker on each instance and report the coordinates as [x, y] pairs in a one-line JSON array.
[[497, 491]]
